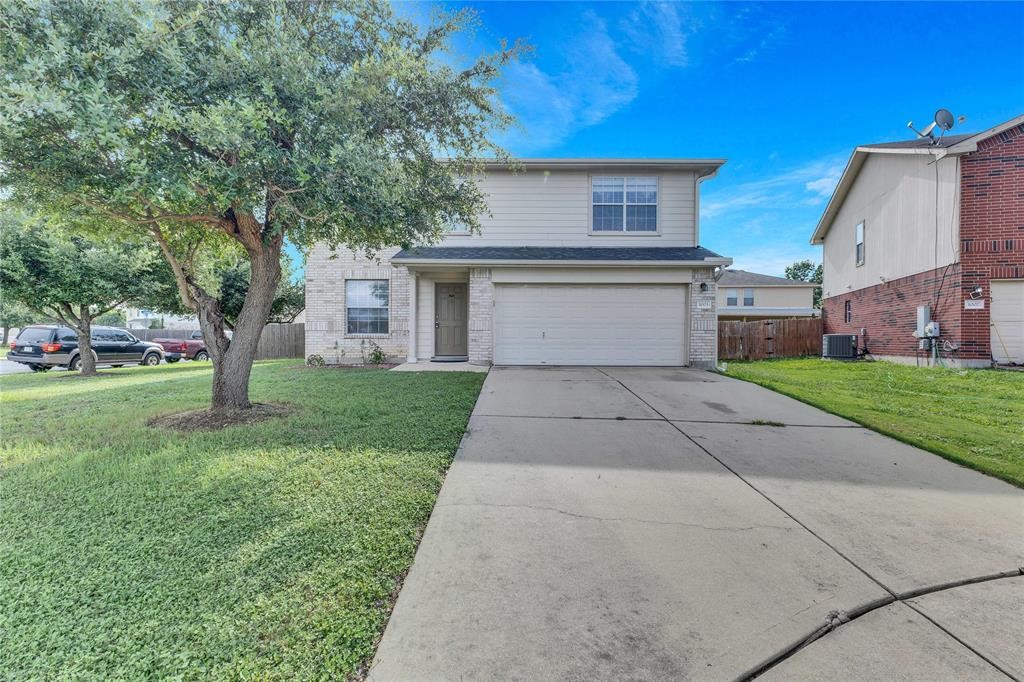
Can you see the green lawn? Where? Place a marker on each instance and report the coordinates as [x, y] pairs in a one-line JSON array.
[[257, 552], [973, 417]]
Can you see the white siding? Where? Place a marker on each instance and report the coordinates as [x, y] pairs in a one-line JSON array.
[[894, 194], [769, 297], [535, 208]]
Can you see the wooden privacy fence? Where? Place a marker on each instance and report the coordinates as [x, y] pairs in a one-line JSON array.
[[276, 341], [765, 339]]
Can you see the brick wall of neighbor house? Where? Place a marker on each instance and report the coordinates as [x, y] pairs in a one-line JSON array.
[[888, 311], [703, 320], [991, 228], [481, 316], [325, 306]]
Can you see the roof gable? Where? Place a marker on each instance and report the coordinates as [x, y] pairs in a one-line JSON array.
[[941, 147]]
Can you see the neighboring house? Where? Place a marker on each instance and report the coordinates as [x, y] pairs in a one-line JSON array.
[[746, 296], [140, 318], [915, 223], [581, 261]]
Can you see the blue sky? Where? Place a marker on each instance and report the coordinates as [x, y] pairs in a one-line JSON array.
[[783, 91]]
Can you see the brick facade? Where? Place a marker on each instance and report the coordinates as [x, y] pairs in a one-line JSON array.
[[991, 228], [481, 316], [326, 335], [991, 241], [885, 315], [326, 272], [703, 349]]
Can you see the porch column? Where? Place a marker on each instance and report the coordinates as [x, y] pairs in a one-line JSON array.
[[413, 300]]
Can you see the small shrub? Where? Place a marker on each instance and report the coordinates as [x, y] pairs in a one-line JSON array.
[[315, 361], [377, 355]]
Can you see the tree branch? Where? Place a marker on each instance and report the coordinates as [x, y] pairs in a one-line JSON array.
[[180, 277]]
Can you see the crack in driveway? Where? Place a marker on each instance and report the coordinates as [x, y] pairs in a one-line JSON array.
[[834, 619], [623, 519]]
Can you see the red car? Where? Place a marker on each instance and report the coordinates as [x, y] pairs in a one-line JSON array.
[[193, 348]]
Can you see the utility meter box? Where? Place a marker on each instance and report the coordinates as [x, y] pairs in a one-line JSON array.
[[924, 316]]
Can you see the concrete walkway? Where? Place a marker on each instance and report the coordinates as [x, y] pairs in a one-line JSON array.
[[635, 524]]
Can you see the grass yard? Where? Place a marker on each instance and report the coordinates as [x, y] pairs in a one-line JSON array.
[[268, 551], [972, 417]]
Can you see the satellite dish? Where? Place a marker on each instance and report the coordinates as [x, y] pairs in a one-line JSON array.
[[944, 119]]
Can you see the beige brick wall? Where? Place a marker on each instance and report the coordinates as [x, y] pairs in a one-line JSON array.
[[326, 273], [325, 311], [703, 347], [481, 316]]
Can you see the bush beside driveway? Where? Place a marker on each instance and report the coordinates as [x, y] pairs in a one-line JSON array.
[[268, 551], [972, 417]]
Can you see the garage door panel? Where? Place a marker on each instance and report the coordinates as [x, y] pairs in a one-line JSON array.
[[1007, 317], [589, 324]]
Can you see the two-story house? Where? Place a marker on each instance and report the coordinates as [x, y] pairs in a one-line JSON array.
[[746, 296], [930, 223], [580, 262]]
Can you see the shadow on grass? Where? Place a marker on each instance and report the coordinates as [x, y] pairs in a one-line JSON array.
[[256, 551]]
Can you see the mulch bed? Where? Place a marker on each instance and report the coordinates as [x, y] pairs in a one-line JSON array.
[[208, 420]]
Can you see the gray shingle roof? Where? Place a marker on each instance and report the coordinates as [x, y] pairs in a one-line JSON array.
[[743, 278], [556, 253], [921, 142]]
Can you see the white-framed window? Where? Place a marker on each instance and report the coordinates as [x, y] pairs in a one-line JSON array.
[[748, 297], [847, 312], [859, 243], [366, 306], [624, 203], [730, 297]]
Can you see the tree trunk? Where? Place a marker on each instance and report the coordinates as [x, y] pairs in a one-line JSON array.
[[7, 331], [84, 330], [233, 359]]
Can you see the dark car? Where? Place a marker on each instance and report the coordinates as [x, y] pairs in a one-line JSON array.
[[43, 346]]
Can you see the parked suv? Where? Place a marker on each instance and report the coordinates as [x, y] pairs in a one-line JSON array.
[[43, 346]]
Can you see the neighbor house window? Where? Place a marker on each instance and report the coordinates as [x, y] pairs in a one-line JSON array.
[[748, 297], [860, 243], [730, 297], [366, 306], [624, 204], [848, 312]]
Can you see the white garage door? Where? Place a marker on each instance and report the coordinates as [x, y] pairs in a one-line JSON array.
[[1007, 338], [589, 324]]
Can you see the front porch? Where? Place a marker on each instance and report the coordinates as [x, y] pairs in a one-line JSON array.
[[446, 321]]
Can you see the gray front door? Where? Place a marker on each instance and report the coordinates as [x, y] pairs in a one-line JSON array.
[[450, 319]]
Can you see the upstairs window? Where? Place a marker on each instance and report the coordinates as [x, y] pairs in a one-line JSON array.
[[366, 304], [624, 204], [859, 239], [748, 297], [730, 297]]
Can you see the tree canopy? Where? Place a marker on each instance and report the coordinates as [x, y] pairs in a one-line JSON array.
[[205, 122], [806, 271], [69, 277]]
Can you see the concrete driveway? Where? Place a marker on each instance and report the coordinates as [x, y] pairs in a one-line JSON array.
[[661, 523]]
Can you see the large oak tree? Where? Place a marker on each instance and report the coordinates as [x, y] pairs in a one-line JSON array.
[[203, 121]]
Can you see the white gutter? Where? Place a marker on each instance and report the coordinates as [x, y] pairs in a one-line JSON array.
[[468, 262]]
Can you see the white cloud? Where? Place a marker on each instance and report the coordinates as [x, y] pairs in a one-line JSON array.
[[790, 187], [594, 83], [657, 27], [824, 185]]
